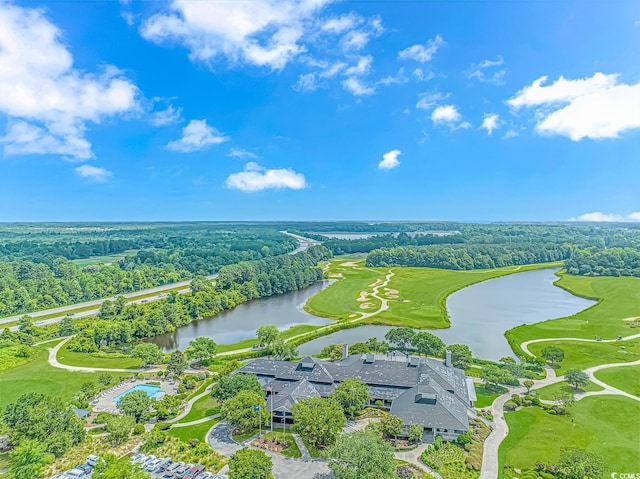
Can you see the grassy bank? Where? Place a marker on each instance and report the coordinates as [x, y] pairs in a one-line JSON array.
[[626, 378], [618, 298], [97, 360], [550, 392], [600, 424]]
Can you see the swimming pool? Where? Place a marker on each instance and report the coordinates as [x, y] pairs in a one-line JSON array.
[[152, 391]]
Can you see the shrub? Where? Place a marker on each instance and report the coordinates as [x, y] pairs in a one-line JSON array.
[[193, 442], [138, 429], [404, 472]]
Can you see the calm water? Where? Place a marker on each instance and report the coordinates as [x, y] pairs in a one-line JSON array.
[[481, 313], [241, 323]]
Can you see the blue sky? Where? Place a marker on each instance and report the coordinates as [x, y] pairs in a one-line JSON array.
[[258, 110]]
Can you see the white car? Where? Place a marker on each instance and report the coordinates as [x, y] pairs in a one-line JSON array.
[[171, 470], [75, 474], [92, 460], [150, 466]]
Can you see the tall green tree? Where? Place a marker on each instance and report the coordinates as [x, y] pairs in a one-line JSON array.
[[112, 467], [135, 404], [415, 432], [554, 354], [461, 355], [28, 460], [576, 378], [282, 350], [177, 364], [361, 455], [240, 410], [352, 394], [230, 386], [201, 349], [148, 353], [400, 337], [250, 464], [119, 428], [267, 334], [318, 420], [428, 344], [391, 425]]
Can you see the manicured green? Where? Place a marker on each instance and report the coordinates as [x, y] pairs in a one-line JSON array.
[[604, 425], [582, 355], [204, 407], [550, 392], [618, 299], [38, 376], [97, 360], [626, 378], [105, 259], [485, 397], [248, 343], [340, 300], [293, 450], [197, 431]]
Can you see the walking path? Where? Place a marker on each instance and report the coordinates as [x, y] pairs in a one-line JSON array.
[[413, 456], [500, 429], [197, 421], [190, 403]]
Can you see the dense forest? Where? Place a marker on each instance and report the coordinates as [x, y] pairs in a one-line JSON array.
[[609, 262], [37, 273], [467, 257], [119, 323]]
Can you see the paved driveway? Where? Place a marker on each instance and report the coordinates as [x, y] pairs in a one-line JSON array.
[[283, 467]]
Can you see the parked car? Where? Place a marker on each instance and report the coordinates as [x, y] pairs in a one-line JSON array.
[[136, 458], [195, 471], [92, 460], [206, 475], [166, 462], [171, 470], [75, 474], [147, 460], [181, 472], [86, 468]]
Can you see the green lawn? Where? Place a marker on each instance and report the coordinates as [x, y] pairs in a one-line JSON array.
[[243, 436], [550, 392], [486, 397], [618, 299], [198, 431], [97, 360], [581, 355], [313, 452], [38, 376], [203, 407], [248, 343], [339, 300], [105, 259], [293, 450], [626, 378], [605, 425]]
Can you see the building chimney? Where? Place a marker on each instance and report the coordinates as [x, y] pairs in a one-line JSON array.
[[345, 351], [447, 362], [370, 358]]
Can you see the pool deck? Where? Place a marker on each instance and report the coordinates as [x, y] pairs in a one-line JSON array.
[[105, 400]]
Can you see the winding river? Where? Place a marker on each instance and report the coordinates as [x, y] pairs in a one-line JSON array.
[[482, 312], [241, 322]]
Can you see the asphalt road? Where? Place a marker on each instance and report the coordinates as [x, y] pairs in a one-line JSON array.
[[304, 243]]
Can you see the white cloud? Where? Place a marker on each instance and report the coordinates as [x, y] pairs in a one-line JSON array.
[[340, 24], [94, 173], [593, 107], [257, 178], [598, 216], [260, 32], [197, 135], [510, 133], [450, 116], [363, 67], [47, 100], [488, 71], [240, 153], [490, 122], [168, 116], [390, 160], [428, 100], [307, 82], [420, 75], [422, 53], [357, 87], [398, 79]]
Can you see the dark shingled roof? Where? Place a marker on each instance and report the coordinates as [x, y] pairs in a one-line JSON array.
[[396, 380]]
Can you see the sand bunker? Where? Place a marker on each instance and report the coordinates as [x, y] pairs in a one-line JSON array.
[[365, 305], [631, 319], [336, 276], [392, 296], [349, 264], [373, 285], [363, 296], [354, 315], [391, 291]]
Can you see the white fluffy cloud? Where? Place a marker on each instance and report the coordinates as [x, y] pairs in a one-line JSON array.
[[357, 87], [598, 216], [490, 122], [47, 100], [197, 135], [94, 173], [390, 160], [429, 100], [449, 115], [488, 71], [422, 53], [593, 107], [260, 32], [235, 152], [257, 178]]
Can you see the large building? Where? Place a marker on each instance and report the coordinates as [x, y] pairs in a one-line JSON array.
[[421, 391]]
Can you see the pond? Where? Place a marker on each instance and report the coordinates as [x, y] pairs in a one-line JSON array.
[[481, 313], [241, 322]]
